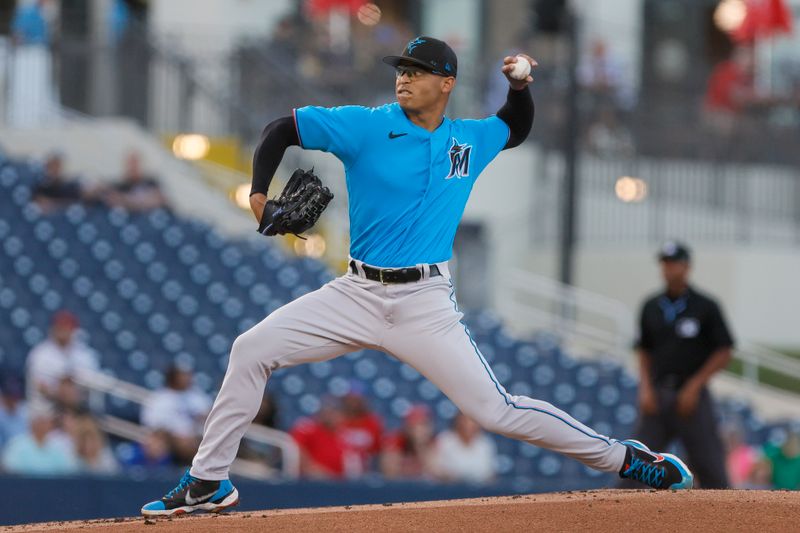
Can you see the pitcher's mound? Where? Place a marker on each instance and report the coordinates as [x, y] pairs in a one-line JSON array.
[[708, 511]]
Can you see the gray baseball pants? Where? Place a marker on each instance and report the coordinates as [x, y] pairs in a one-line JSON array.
[[418, 323]]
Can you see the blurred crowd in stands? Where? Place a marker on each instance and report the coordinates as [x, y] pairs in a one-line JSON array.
[[345, 439], [134, 191], [48, 428]]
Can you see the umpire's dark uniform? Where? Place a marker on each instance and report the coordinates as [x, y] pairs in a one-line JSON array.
[[679, 334]]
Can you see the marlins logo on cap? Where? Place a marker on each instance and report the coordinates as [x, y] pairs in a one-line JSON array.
[[431, 54]]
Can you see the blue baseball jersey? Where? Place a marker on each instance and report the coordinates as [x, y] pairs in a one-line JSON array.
[[407, 186]]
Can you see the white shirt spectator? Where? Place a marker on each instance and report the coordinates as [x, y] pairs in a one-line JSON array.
[[456, 460], [42, 450], [180, 412], [49, 363]]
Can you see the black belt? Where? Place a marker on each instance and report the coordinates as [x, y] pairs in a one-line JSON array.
[[393, 275]]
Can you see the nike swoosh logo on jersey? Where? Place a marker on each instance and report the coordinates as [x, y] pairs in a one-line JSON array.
[[393, 135], [201, 499]]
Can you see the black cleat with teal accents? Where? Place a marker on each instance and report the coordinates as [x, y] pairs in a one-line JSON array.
[[657, 470], [194, 494]]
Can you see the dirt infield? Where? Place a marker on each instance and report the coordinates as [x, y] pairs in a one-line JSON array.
[[707, 511]]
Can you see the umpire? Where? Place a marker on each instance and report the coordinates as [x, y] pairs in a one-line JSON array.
[[683, 342]]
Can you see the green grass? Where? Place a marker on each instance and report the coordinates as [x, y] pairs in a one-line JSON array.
[[770, 377]]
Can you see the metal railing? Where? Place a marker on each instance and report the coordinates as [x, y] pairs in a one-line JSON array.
[[596, 324], [754, 357], [100, 385]]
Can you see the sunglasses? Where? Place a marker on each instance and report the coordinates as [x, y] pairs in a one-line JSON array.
[[412, 72]]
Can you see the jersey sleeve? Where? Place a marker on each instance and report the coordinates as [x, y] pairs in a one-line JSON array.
[[490, 137], [337, 130], [494, 133]]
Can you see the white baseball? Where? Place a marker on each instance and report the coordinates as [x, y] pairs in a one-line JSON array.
[[521, 70]]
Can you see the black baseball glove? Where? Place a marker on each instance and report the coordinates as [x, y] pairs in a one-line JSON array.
[[298, 207]]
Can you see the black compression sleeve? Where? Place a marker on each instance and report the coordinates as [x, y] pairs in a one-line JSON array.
[[279, 135], [517, 112]]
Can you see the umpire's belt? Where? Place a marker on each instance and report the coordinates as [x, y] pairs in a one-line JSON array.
[[393, 275]]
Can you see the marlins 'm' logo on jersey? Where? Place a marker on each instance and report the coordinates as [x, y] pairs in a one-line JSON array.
[[459, 160]]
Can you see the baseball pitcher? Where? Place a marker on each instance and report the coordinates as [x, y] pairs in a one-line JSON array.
[[409, 172]]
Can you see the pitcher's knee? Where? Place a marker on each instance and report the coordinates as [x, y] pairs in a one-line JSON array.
[[250, 349]]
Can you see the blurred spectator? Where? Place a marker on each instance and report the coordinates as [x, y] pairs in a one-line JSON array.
[[152, 452], [267, 416], [136, 191], [741, 457], [323, 451], [29, 25], [13, 411], [760, 476], [94, 455], [41, 450], [69, 397], [268, 412], [180, 410], [605, 95], [56, 191], [683, 342], [602, 77], [464, 453], [119, 20], [408, 453], [785, 461], [361, 429], [731, 88], [57, 357], [32, 100]]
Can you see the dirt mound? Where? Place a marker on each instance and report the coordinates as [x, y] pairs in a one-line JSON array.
[[707, 511]]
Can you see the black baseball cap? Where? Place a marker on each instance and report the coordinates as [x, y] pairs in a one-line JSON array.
[[674, 251], [431, 54]]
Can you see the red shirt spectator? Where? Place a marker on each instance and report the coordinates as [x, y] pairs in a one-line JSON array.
[[323, 450], [362, 430], [730, 86], [407, 452]]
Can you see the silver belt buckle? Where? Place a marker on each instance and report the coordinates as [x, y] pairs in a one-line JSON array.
[[380, 274]]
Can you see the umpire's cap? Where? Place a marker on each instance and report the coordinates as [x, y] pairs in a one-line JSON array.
[[674, 251], [433, 55]]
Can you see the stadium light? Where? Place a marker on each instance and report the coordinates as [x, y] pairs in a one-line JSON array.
[[729, 14], [369, 14], [191, 146], [241, 195], [630, 190], [313, 246]]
